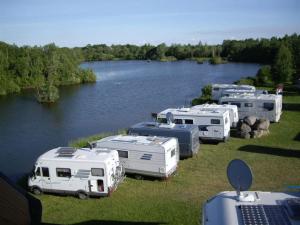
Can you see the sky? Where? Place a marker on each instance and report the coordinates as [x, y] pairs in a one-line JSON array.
[[73, 23]]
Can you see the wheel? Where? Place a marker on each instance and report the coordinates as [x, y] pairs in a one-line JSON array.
[[82, 195], [36, 191], [138, 177]]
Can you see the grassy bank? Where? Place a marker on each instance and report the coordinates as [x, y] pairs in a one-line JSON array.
[[274, 159]]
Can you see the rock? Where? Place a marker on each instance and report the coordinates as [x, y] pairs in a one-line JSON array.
[[259, 133], [245, 135], [262, 124], [250, 120], [245, 128]]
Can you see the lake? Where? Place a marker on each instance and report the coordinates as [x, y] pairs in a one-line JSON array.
[[126, 92]]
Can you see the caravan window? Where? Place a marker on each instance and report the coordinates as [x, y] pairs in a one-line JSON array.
[[38, 172], [63, 172], [45, 171], [162, 120], [237, 104], [269, 106], [248, 104], [99, 172], [189, 122], [215, 121], [172, 153], [178, 121], [216, 89], [123, 154], [203, 128], [224, 102]]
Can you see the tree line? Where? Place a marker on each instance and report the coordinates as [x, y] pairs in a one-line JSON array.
[[47, 67], [40, 68]]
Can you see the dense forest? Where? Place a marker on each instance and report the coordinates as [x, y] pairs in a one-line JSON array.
[[45, 68], [40, 68]]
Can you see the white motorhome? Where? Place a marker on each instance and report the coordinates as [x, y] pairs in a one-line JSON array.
[[144, 155], [218, 89], [213, 125], [266, 106], [233, 111], [81, 172]]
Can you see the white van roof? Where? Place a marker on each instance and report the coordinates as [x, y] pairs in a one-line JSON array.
[[138, 140], [213, 106], [81, 154], [235, 86], [194, 112], [251, 96]]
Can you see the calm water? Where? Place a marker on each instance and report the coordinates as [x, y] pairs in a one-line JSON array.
[[125, 93]]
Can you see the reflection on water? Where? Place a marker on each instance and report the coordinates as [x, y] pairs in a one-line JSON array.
[[125, 93]]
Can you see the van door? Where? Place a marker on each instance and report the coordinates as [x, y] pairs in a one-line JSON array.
[[46, 179], [96, 185]]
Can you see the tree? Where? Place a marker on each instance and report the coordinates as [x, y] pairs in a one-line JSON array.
[[264, 76], [283, 66]]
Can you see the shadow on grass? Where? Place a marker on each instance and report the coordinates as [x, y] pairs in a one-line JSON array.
[[291, 106], [110, 222], [297, 137], [270, 151]]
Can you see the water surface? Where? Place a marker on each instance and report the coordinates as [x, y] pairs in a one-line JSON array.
[[126, 92]]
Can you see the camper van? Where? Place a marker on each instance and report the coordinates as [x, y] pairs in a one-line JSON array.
[[212, 125], [218, 89], [141, 155], [187, 135], [233, 111], [266, 106], [80, 172]]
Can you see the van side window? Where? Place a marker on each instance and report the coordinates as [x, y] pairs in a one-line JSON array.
[[99, 172], [172, 153], [269, 106], [178, 121], [45, 171], [38, 171], [216, 89], [237, 104], [203, 128], [63, 172], [224, 103], [215, 121], [248, 104], [189, 122], [123, 154], [162, 120]]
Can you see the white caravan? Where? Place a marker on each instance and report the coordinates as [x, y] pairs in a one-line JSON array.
[[144, 155], [266, 106], [213, 125], [218, 89], [232, 109], [81, 172]]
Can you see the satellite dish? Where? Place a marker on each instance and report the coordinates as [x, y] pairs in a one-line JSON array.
[[240, 177], [170, 117]]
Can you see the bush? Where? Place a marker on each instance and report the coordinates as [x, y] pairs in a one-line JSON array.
[[47, 93], [217, 60], [246, 81], [87, 76], [205, 96], [264, 76]]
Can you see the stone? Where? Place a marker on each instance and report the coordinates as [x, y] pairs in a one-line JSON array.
[[250, 120]]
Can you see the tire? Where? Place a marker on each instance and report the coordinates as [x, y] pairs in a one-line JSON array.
[[36, 191], [138, 177], [82, 195]]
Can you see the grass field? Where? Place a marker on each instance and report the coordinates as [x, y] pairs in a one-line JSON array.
[[274, 159]]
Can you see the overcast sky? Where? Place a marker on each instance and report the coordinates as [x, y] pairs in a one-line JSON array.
[[81, 22]]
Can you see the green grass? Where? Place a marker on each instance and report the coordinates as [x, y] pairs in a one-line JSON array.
[[274, 159]]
